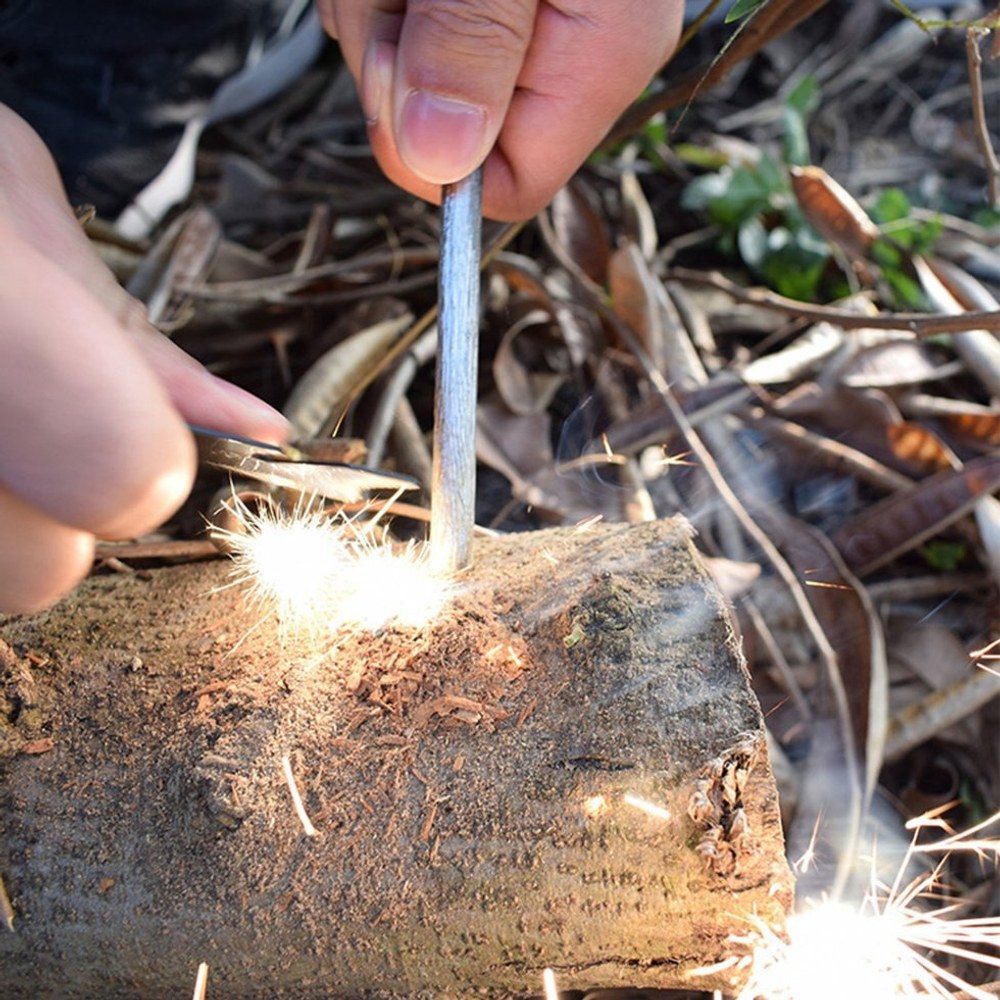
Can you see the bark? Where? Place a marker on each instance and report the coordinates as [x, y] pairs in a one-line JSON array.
[[467, 782]]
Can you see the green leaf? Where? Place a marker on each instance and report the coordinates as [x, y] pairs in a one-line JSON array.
[[730, 196], [794, 266], [742, 9], [701, 156], [944, 556], [892, 205], [799, 106]]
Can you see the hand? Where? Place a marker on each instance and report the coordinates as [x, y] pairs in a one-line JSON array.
[[92, 399], [529, 86]]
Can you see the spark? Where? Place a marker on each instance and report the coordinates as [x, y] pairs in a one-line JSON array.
[[335, 573], [549, 985], [650, 808], [201, 981], [987, 652], [300, 809], [882, 947], [674, 460]]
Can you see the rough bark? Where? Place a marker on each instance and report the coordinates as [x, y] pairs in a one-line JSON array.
[[467, 782]]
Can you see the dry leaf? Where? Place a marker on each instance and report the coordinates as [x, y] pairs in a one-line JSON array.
[[43, 745], [581, 232], [920, 448], [853, 628], [980, 426], [832, 212], [522, 365], [908, 518], [328, 384]]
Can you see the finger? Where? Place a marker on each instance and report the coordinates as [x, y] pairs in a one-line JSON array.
[[40, 559], [588, 60], [357, 25], [203, 398], [436, 101], [32, 200], [90, 436]]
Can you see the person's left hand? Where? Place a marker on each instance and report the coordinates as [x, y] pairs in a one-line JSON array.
[[529, 86]]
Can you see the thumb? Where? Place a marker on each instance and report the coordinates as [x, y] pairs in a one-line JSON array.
[[456, 65]]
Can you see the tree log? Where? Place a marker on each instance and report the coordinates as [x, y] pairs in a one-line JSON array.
[[472, 785]]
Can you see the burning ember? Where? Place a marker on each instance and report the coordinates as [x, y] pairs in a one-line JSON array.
[[324, 574]]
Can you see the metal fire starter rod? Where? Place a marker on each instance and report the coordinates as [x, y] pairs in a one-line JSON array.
[[453, 476]]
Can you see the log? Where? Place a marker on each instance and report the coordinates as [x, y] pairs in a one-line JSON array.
[[471, 784]]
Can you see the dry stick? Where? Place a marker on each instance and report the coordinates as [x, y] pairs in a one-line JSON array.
[[975, 60], [920, 324], [183, 548], [768, 24], [922, 720]]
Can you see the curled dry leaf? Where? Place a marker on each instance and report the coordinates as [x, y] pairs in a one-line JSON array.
[[911, 516], [640, 299], [327, 386], [523, 366], [581, 232], [978, 426], [832, 212], [987, 513]]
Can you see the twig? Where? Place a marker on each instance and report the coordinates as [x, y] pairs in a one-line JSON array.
[[194, 548], [975, 60], [922, 720], [920, 324], [300, 809]]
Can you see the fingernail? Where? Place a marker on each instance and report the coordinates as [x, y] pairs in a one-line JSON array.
[[376, 79], [440, 139], [241, 411]]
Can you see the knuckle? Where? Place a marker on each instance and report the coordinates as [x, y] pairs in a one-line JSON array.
[[465, 25]]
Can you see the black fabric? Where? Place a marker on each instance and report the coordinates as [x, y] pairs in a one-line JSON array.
[[109, 84]]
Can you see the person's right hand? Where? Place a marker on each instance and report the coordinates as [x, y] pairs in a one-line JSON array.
[[92, 399]]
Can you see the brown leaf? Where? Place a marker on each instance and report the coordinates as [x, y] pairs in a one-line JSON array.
[[978, 426], [523, 364], [581, 232], [43, 745], [908, 518], [832, 212], [920, 448]]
